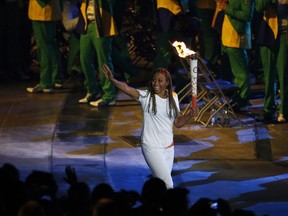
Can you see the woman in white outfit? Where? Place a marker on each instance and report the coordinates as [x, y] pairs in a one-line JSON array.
[[160, 107]]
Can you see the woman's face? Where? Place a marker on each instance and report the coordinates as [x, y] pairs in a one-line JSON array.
[[159, 84]]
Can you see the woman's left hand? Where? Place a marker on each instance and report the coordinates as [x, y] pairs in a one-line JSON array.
[[193, 112]]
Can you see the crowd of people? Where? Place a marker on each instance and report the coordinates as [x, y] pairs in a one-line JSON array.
[[222, 31], [37, 195]]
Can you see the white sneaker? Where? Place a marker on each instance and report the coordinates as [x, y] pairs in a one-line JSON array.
[[89, 97], [58, 85], [101, 103], [281, 118], [86, 98], [38, 89]]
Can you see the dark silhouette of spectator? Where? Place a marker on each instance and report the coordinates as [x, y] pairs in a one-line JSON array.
[[12, 190], [125, 200], [107, 202], [41, 184], [42, 187], [202, 207], [224, 207], [176, 202], [207, 207], [9, 174], [105, 207], [242, 212], [36, 196], [101, 190], [152, 196], [79, 200], [131, 197], [31, 208]]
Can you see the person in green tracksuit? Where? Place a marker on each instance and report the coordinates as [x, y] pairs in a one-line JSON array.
[[236, 39], [44, 15], [97, 31], [73, 63], [210, 38], [168, 31], [166, 12], [70, 21], [120, 53], [272, 38]]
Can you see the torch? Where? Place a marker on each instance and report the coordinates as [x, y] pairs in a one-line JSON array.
[[189, 55], [193, 72]]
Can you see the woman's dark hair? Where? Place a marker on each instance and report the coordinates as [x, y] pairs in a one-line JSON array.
[[173, 111]]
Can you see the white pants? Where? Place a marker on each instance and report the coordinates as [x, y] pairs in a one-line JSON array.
[[160, 162]]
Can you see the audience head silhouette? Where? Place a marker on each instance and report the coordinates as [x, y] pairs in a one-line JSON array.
[[37, 196]]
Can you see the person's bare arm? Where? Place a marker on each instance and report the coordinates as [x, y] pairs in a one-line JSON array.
[[183, 119], [132, 92]]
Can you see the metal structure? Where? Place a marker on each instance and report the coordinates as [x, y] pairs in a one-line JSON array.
[[213, 95]]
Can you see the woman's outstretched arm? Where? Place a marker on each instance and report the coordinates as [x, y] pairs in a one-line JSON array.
[[132, 92]]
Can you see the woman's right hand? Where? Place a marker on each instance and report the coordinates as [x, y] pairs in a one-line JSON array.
[[221, 4], [132, 92], [107, 72]]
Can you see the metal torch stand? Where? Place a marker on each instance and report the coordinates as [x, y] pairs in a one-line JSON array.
[[214, 107]]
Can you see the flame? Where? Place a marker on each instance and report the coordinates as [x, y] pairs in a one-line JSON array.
[[182, 50]]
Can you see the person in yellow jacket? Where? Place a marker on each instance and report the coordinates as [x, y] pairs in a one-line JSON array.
[[272, 38], [97, 28], [167, 10], [236, 40], [44, 15], [167, 16]]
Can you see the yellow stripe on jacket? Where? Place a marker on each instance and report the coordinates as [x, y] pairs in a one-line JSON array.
[[51, 12], [171, 5], [270, 16], [231, 38], [109, 27]]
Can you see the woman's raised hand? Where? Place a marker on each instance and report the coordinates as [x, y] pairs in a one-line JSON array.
[[107, 72]]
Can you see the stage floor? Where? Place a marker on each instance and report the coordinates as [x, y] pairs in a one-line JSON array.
[[245, 165]]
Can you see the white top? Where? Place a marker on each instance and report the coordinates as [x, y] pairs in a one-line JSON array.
[[157, 130]]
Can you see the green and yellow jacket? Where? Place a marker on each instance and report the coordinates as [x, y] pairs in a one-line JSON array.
[[44, 10], [173, 6], [106, 25], [236, 30], [274, 20]]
